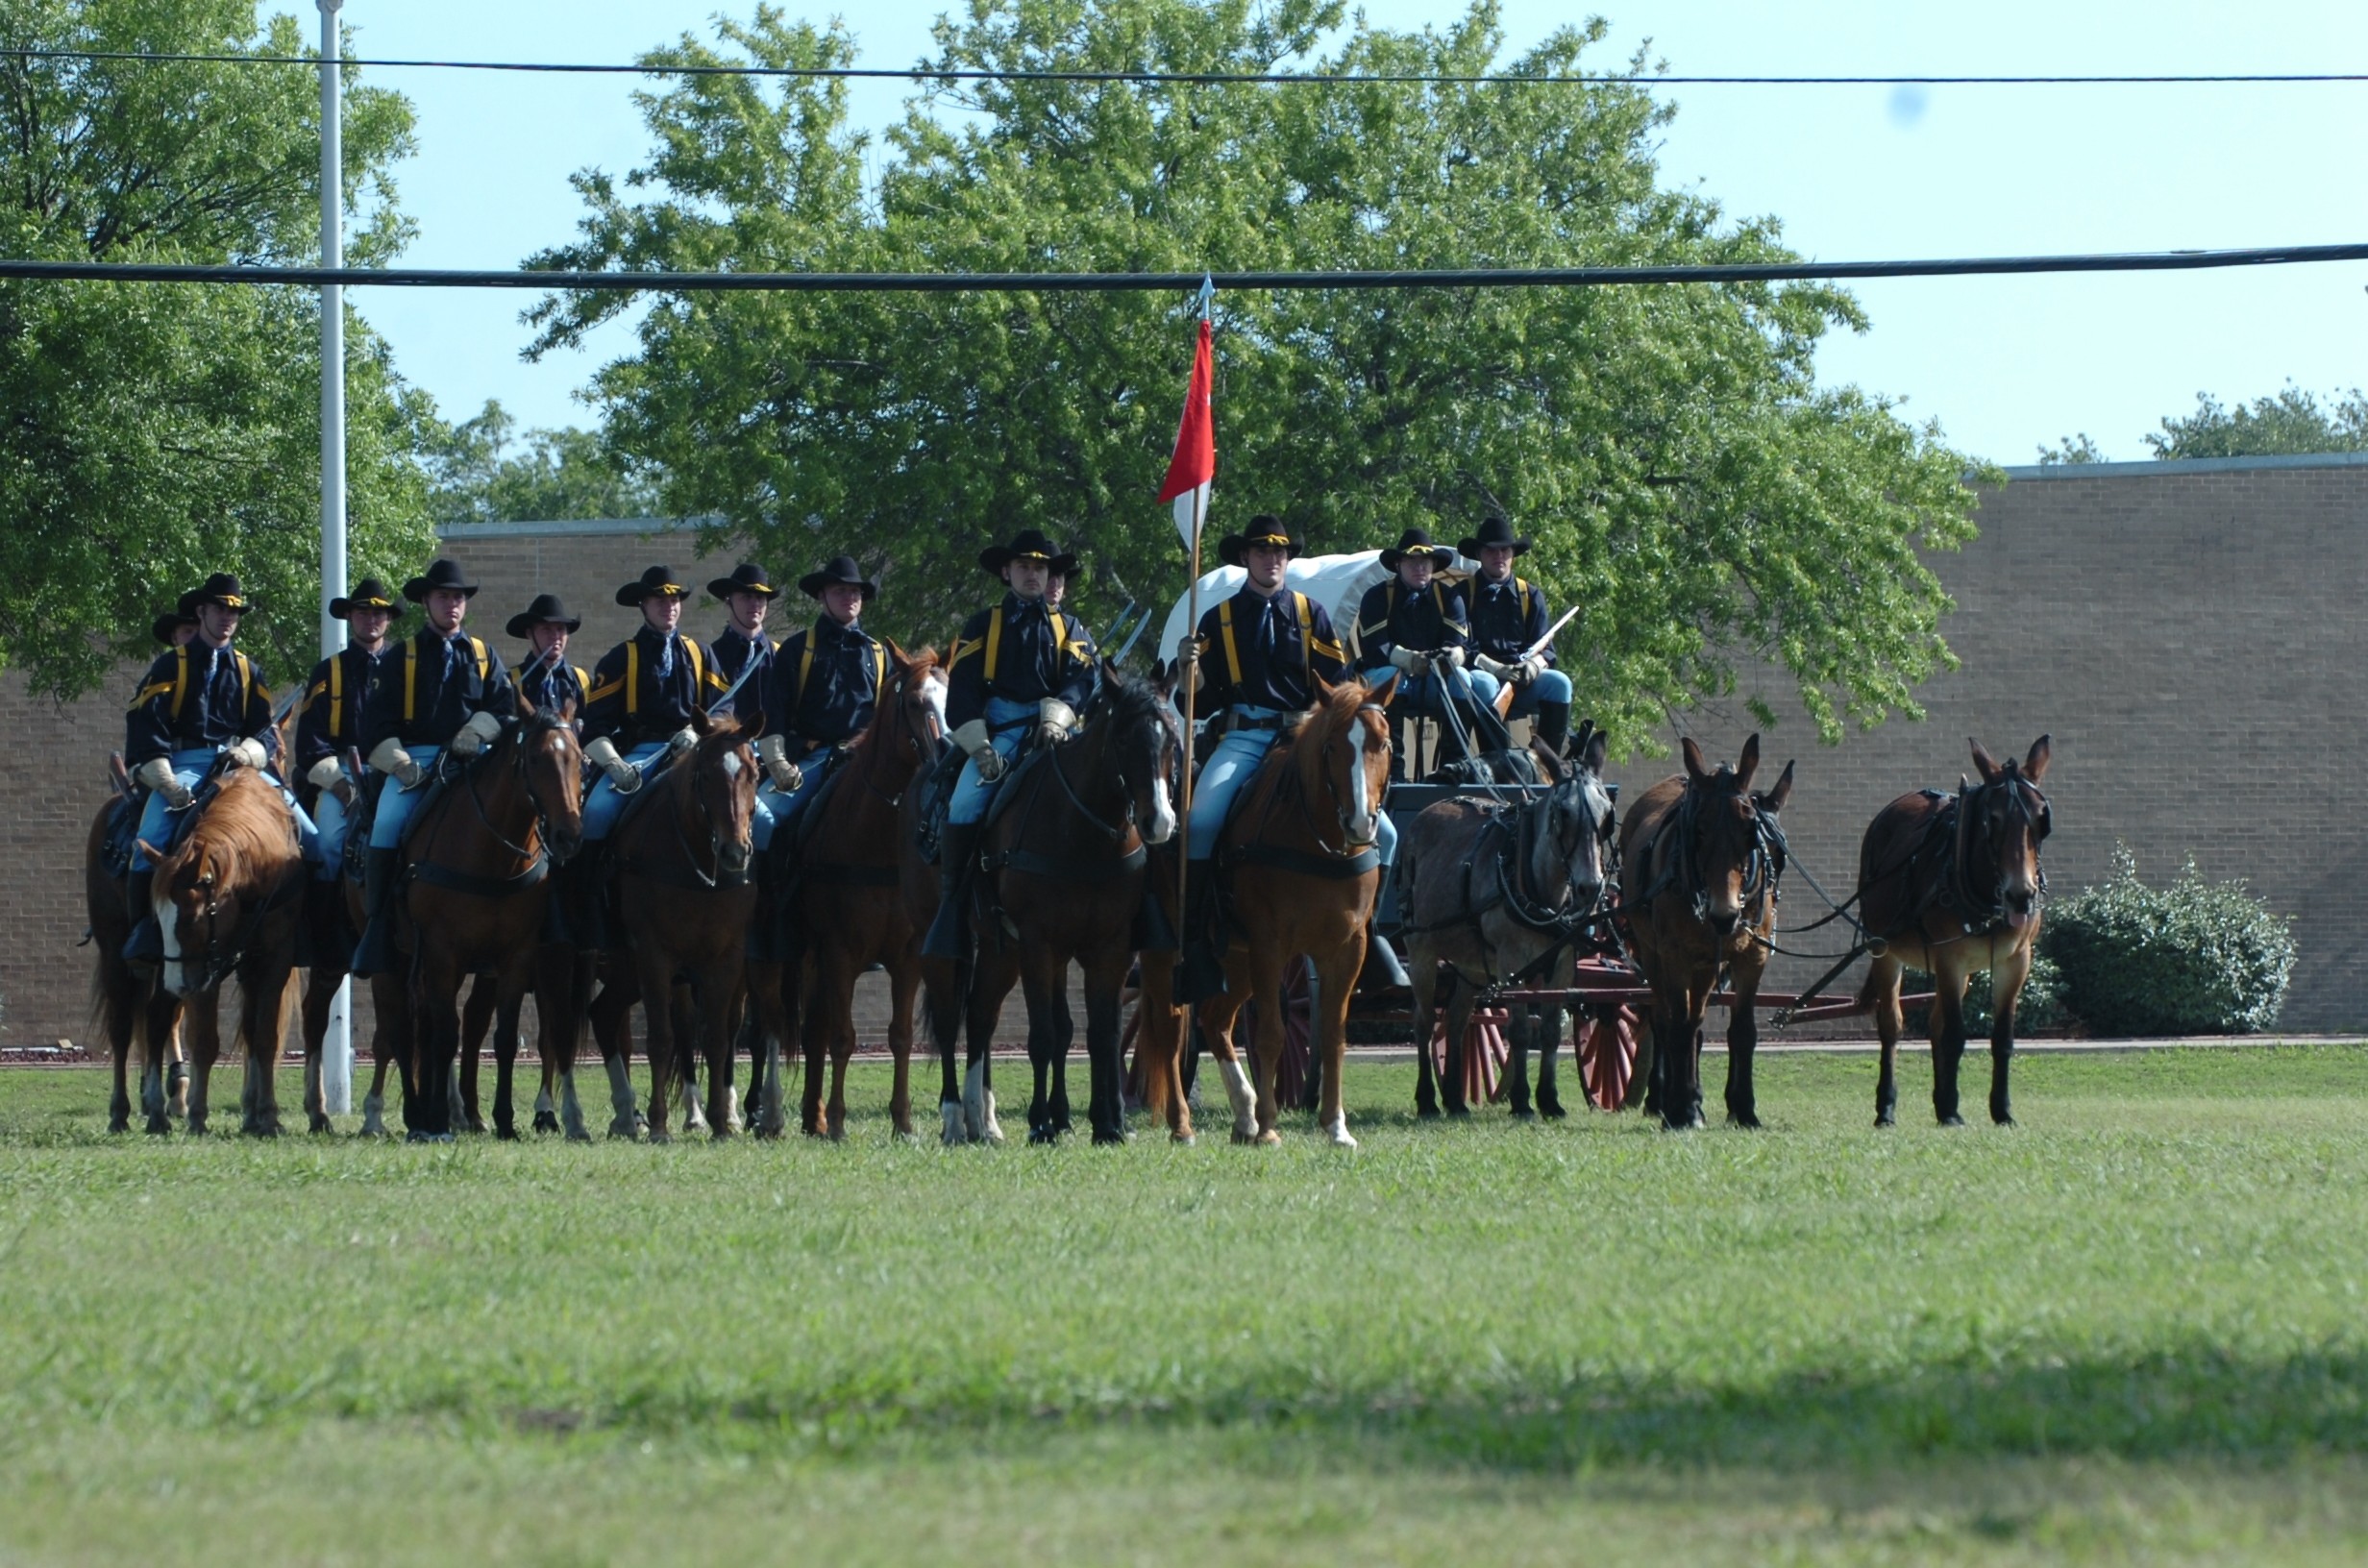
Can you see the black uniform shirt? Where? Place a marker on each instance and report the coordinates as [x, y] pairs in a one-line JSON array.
[[195, 697], [1035, 651], [329, 718], [823, 686], [730, 652], [426, 687], [1267, 660], [1393, 615], [1507, 616], [647, 687]]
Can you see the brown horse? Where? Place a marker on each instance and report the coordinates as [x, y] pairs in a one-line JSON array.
[[965, 1101], [118, 993], [1700, 859], [687, 898], [1952, 884], [1491, 892], [850, 909], [226, 902], [476, 888], [1305, 880]]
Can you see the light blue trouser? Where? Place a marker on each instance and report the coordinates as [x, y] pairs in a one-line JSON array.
[[1007, 724], [1422, 692], [1235, 763], [333, 822], [605, 804], [157, 822], [774, 808], [1550, 686], [397, 804]]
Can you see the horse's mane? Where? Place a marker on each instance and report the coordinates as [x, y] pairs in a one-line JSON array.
[[245, 823], [1130, 697]]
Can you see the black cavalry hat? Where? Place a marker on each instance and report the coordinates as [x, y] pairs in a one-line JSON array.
[[183, 614], [369, 593], [1265, 529], [546, 608], [659, 580], [747, 578], [221, 589], [1418, 541], [1494, 531], [441, 573], [840, 571], [1027, 545]]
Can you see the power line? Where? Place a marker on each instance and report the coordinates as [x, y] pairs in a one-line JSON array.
[[1056, 282], [924, 73]]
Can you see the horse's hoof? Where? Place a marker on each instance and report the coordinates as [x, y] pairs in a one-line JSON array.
[[1743, 1119], [507, 1135], [119, 1124], [1337, 1135], [1952, 1119], [1244, 1138], [428, 1137], [628, 1128], [159, 1127], [1884, 1118], [1268, 1139], [1102, 1139], [1523, 1113], [1459, 1113], [1426, 1113], [1552, 1109], [1185, 1139], [323, 1126], [581, 1135], [2007, 1120], [1044, 1134], [546, 1122]]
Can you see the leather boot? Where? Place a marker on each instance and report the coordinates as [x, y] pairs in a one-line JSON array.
[[146, 944], [957, 856], [1381, 960], [324, 931], [587, 898], [1554, 725], [375, 954], [1201, 974]]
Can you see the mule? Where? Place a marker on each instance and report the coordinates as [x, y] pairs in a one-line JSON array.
[[1952, 884], [1700, 860]]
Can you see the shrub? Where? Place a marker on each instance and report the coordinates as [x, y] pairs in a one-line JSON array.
[[2040, 1008], [2195, 957]]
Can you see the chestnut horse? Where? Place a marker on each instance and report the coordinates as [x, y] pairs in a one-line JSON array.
[[1952, 885], [686, 899], [1064, 859], [1699, 861], [228, 898], [1305, 878], [850, 910]]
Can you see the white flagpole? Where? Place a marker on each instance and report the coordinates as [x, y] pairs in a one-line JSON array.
[[337, 1047]]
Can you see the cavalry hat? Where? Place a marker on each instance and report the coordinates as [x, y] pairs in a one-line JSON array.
[[221, 589], [1264, 529], [747, 578], [659, 580], [1027, 545], [1418, 541], [369, 593], [840, 571], [1494, 531], [183, 614], [441, 573], [546, 608]]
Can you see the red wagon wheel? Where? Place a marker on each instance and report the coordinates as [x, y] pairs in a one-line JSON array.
[[1291, 1074], [1486, 1051], [1605, 1042]]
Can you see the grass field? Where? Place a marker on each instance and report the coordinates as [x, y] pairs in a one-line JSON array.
[[2131, 1329]]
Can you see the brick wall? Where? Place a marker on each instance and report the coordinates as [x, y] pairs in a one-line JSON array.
[[2188, 632]]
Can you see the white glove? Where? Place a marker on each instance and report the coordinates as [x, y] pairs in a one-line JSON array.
[[681, 741], [1410, 661], [1495, 667], [1530, 669], [1452, 658], [157, 773], [973, 739], [1188, 649], [325, 773], [480, 731], [245, 754], [602, 754], [1054, 719], [390, 758], [773, 750]]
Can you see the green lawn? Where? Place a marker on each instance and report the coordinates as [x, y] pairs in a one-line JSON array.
[[2131, 1328]]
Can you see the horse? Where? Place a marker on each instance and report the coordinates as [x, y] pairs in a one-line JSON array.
[[1700, 860], [118, 993], [1952, 885], [228, 898], [1531, 878], [1306, 878], [849, 905], [965, 1101], [476, 890], [1063, 853], [686, 896]]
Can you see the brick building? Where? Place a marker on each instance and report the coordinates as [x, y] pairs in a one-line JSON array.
[[2187, 631]]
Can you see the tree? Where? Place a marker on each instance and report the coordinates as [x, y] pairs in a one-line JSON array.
[[562, 474], [1687, 480], [2293, 421], [148, 433], [2073, 450]]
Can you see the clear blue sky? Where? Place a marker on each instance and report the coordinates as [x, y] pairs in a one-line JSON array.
[[2004, 364]]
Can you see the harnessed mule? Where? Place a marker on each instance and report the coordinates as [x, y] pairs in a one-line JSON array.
[[1532, 881], [1953, 885], [1700, 861]]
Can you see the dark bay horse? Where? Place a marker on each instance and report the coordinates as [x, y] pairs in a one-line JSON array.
[[1700, 859], [1064, 880], [1952, 884], [686, 899], [118, 993], [1491, 892], [849, 903], [965, 1100], [1306, 878], [228, 898]]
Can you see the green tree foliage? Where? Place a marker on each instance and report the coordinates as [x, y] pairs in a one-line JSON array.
[[475, 477], [2072, 449], [2195, 957], [1686, 479], [2293, 421], [154, 433]]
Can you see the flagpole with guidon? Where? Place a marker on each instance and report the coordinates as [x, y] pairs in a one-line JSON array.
[[1190, 471]]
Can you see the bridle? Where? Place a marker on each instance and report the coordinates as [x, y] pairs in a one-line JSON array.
[[1764, 864], [1955, 889], [1108, 741], [1350, 844], [540, 836], [729, 763]]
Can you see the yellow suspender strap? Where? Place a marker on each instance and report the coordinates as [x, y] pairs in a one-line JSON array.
[[411, 679], [805, 668], [1060, 633], [1233, 654], [181, 679], [1307, 639], [995, 640], [484, 665], [699, 673], [879, 671], [632, 678], [336, 695]]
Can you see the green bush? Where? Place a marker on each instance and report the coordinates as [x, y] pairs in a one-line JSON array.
[[2038, 1009], [2196, 957]]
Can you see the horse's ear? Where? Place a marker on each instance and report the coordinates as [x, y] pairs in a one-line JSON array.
[[898, 656], [1773, 801], [525, 708], [1983, 762], [1379, 696], [1597, 748], [701, 723], [156, 856], [1695, 767], [1324, 689], [2035, 766], [567, 711], [1554, 767], [1748, 763]]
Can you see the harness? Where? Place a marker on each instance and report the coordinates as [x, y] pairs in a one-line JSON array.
[[1515, 833], [410, 674], [178, 683]]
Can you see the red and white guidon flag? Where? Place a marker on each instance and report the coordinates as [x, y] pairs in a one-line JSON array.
[[1195, 463]]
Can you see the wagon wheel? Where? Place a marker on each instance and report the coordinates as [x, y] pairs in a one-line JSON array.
[[1293, 1073], [1605, 1042], [1486, 1051]]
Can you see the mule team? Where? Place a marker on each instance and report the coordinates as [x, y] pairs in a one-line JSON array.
[[736, 831]]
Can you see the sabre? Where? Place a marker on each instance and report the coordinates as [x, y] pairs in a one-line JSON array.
[[1114, 625], [1135, 636]]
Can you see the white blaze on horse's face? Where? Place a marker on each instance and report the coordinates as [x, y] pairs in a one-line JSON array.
[[168, 923], [933, 695], [1359, 818], [1162, 813]]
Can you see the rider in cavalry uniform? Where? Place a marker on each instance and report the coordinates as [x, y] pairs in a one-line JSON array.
[[820, 693], [746, 595], [644, 691], [436, 689], [1507, 617], [1020, 669], [1416, 626], [327, 722], [545, 678], [1255, 660], [199, 701], [175, 629]]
